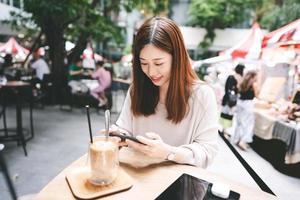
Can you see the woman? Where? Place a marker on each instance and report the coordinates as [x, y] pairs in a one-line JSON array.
[[244, 112], [230, 97], [104, 79], [167, 107]]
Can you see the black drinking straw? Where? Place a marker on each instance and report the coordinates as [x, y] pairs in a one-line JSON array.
[[89, 122]]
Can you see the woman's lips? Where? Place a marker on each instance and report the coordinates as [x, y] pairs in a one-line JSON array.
[[156, 80]]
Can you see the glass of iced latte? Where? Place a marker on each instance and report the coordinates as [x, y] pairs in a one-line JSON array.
[[103, 160]]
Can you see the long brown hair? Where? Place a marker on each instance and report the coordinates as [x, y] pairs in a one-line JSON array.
[[163, 33], [248, 81]]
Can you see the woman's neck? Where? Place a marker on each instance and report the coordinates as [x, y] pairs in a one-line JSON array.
[[163, 93]]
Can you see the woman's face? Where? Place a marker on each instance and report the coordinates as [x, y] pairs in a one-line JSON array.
[[156, 64]]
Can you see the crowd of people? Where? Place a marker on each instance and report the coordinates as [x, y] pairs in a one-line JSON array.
[[240, 90], [11, 70], [101, 74], [38, 68]]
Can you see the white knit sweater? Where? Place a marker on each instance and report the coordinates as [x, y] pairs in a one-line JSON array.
[[197, 132]]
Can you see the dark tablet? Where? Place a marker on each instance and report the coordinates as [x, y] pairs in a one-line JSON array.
[[188, 187]]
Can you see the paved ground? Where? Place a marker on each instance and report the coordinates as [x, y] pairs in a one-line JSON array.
[[62, 137]]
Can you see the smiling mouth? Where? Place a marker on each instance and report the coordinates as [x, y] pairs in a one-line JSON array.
[[155, 80]]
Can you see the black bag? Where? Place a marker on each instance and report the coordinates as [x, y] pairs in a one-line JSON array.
[[232, 98]]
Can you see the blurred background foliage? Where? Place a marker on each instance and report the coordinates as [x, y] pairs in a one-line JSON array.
[[51, 23], [213, 14]]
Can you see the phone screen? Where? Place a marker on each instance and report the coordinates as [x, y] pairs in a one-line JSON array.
[[188, 187]]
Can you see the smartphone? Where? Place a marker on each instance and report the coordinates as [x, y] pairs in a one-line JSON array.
[[123, 137]]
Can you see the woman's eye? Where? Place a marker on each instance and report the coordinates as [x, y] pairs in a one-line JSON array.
[[159, 64], [143, 64]]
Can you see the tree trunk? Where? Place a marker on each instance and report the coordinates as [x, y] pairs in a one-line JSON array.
[[56, 44]]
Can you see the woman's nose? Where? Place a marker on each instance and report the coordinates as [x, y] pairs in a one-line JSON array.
[[152, 71]]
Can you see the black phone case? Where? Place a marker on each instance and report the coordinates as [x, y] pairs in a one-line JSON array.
[[124, 137]]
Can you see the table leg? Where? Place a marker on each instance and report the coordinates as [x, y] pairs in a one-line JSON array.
[[19, 122], [4, 121], [31, 120]]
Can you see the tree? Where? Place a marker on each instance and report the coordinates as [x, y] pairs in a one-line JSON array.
[[81, 20], [212, 14], [59, 19], [218, 14], [281, 14]]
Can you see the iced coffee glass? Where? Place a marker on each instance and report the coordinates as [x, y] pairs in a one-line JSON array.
[[103, 160]]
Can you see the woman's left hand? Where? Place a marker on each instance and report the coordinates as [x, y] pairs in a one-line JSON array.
[[152, 146]]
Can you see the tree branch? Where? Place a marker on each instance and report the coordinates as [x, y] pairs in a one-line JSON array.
[[33, 47], [70, 21]]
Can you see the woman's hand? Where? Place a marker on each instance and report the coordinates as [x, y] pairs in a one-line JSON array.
[[153, 146], [114, 138], [118, 141]]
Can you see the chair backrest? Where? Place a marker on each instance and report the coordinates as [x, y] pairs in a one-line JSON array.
[[6, 175]]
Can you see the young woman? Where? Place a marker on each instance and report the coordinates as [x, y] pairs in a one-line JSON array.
[[230, 97], [167, 108], [244, 112]]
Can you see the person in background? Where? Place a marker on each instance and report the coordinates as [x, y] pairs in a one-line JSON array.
[[230, 98], [8, 61], [74, 76], [104, 78], [244, 111], [40, 66], [75, 70], [7, 69], [117, 67], [167, 107]]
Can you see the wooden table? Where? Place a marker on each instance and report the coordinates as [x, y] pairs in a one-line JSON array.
[[148, 182], [16, 86]]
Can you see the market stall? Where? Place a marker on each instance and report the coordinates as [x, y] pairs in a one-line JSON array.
[[249, 48], [277, 139], [277, 116], [289, 32]]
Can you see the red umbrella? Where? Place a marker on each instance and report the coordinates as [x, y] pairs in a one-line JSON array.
[[12, 47], [283, 35], [249, 48]]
